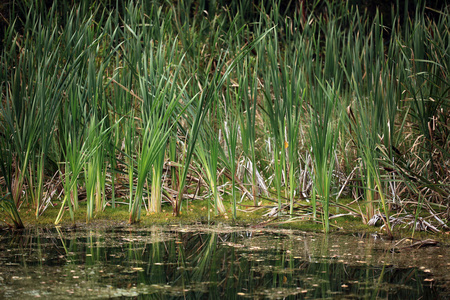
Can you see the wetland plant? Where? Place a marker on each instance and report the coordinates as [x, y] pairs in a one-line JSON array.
[[95, 102]]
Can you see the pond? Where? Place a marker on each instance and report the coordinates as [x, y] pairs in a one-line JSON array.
[[215, 262]]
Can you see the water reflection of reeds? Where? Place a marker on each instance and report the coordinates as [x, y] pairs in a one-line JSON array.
[[161, 264]]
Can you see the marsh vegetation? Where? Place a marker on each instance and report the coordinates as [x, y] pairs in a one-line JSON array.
[[291, 107]]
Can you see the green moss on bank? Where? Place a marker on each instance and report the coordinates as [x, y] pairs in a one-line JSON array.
[[192, 213], [196, 212]]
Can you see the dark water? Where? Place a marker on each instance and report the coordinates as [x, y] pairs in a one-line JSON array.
[[214, 263]]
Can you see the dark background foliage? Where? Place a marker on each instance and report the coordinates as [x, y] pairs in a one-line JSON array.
[[9, 10]]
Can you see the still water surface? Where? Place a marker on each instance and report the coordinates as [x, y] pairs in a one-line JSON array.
[[214, 262]]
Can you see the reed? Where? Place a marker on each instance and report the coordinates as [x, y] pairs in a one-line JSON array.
[[284, 108], [370, 122], [275, 108], [247, 121], [209, 160], [209, 89], [154, 205], [99, 97], [230, 129], [160, 101], [96, 134], [7, 201], [323, 139]]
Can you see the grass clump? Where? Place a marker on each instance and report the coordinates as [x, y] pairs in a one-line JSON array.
[[182, 105]]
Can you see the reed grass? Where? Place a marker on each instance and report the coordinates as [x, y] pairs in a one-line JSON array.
[[302, 97], [209, 160], [247, 121], [323, 138], [230, 131]]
